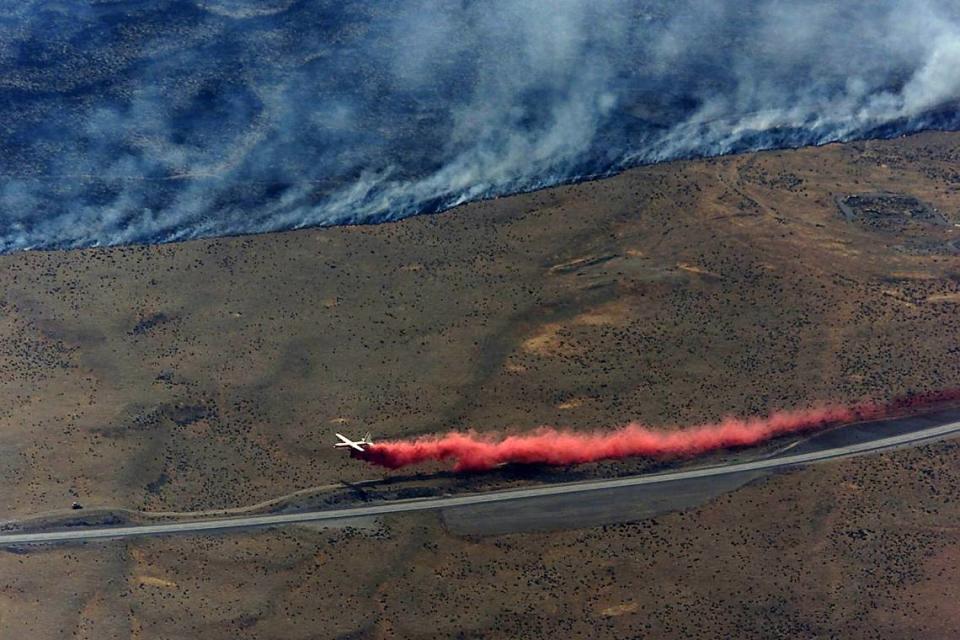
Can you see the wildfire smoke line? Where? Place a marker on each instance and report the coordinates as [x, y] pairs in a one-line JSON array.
[[472, 451]]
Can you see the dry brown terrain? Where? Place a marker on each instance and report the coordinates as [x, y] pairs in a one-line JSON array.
[[213, 374], [861, 549]]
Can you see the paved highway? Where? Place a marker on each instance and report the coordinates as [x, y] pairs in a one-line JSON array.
[[79, 534]]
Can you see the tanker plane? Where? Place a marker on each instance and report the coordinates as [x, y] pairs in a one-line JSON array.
[[365, 441]]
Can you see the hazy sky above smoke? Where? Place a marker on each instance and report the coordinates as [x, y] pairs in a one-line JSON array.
[[161, 120]]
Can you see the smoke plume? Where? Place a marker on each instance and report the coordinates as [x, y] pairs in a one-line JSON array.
[[472, 451], [158, 121]]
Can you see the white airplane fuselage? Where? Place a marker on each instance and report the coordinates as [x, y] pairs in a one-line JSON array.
[[357, 445]]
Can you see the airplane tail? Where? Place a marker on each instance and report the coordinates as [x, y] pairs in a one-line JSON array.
[[368, 438]]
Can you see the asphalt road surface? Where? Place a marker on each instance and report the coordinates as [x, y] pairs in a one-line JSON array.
[[852, 441]]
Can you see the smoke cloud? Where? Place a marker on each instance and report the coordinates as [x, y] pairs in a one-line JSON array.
[[152, 122], [477, 452]]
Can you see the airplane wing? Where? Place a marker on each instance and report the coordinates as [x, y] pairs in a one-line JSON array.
[[347, 442]]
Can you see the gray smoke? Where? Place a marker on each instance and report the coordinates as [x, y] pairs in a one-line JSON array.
[[130, 121]]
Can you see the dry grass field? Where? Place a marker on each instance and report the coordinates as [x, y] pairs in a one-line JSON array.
[[213, 374], [861, 549]]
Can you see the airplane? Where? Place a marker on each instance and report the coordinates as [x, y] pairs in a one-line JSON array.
[[365, 441]]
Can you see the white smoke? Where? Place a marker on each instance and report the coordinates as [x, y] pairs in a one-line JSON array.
[[234, 116]]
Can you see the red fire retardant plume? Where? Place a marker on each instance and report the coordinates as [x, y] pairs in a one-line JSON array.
[[473, 451]]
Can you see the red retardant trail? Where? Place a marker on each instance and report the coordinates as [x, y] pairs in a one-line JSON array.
[[473, 451]]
